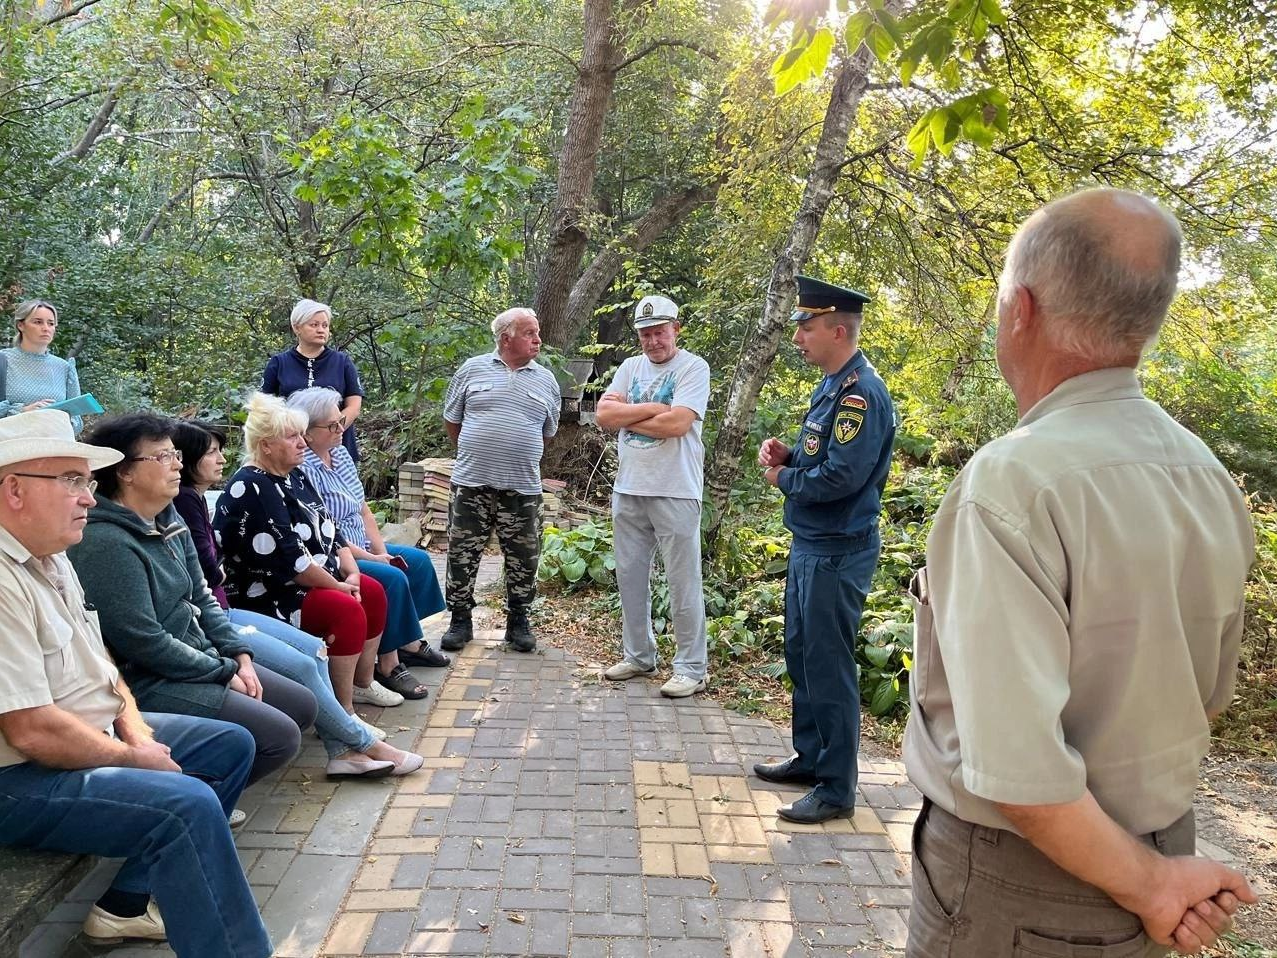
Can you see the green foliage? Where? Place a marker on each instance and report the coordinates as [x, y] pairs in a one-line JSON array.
[[578, 558]]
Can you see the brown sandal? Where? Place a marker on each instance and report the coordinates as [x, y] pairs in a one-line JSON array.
[[402, 681]]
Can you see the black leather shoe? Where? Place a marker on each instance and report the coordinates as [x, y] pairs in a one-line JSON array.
[[519, 634], [784, 773], [810, 810], [460, 631]]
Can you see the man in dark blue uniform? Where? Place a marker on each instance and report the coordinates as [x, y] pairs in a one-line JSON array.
[[832, 480]]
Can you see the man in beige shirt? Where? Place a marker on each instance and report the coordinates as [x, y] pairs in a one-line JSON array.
[[1078, 625], [81, 769]]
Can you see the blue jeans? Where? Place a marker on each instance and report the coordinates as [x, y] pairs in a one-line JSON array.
[[410, 596], [300, 656], [170, 829]]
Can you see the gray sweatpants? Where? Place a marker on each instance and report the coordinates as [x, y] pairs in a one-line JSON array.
[[641, 524]]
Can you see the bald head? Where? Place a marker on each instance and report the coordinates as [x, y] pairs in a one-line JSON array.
[[1101, 266]]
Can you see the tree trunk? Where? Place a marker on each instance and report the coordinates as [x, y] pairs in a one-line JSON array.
[[760, 352], [578, 163], [665, 213]]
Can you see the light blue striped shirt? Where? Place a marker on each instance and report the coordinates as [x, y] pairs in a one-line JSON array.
[[339, 486], [505, 415]]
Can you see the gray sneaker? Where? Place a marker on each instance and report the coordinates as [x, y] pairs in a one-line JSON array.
[[626, 670], [681, 686]]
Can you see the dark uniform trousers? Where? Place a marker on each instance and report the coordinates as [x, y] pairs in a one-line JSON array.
[[824, 597], [473, 513], [981, 892]]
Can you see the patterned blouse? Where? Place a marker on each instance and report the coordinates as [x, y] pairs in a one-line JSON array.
[[270, 528], [28, 377], [342, 492]]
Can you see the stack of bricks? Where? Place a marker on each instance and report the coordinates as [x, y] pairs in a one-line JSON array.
[[423, 495]]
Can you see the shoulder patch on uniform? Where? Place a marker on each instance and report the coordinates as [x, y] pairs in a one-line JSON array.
[[847, 425], [855, 402], [811, 445], [853, 377]]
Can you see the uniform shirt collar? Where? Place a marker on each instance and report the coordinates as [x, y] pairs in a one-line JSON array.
[[1099, 385], [833, 382]]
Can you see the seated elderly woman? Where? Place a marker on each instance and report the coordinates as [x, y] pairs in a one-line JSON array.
[[285, 558], [407, 574], [174, 647], [354, 748]]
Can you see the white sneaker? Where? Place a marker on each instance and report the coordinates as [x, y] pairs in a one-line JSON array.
[[236, 818], [681, 686], [376, 694], [626, 670], [103, 927], [377, 733]]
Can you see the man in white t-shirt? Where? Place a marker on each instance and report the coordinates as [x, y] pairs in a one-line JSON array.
[[656, 404]]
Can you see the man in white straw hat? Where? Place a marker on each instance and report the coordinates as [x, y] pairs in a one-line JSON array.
[[81, 769], [656, 404]]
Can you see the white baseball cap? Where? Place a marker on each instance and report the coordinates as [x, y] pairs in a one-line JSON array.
[[653, 311]]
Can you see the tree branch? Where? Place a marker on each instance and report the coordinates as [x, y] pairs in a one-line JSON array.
[[96, 125], [657, 44], [69, 12]]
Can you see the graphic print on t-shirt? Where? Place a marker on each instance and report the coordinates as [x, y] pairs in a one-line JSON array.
[[657, 390]]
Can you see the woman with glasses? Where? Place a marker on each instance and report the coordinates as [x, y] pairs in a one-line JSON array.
[[31, 377], [285, 558], [355, 749], [174, 646], [407, 574], [312, 362]]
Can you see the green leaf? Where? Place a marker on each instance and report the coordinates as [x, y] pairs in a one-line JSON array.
[[884, 698], [892, 27], [908, 67], [976, 130], [945, 127], [992, 11], [919, 137], [803, 63], [939, 44], [572, 571], [857, 26], [880, 42], [878, 655]]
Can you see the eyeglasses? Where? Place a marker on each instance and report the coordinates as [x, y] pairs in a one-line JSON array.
[[163, 457], [75, 485], [336, 426]]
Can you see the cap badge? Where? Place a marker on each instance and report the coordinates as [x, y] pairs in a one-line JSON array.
[[647, 309]]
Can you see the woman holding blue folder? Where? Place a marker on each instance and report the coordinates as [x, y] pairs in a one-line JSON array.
[[31, 377]]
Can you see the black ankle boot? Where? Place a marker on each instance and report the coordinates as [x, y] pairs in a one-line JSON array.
[[460, 631], [518, 633]]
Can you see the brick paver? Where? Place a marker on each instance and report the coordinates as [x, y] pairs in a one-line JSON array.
[[559, 814]]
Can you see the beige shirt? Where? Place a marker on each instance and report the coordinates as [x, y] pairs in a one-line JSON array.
[[50, 646], [1086, 576]]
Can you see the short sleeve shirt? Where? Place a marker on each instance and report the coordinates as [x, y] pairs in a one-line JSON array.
[[343, 494], [270, 529], [1086, 577], [505, 415], [50, 643], [289, 371], [672, 467]]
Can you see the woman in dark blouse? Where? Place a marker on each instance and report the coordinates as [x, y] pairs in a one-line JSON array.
[[285, 558], [312, 363]]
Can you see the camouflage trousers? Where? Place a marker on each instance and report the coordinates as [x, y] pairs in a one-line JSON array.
[[472, 515]]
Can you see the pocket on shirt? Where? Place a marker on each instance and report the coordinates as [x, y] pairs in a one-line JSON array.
[[62, 668], [924, 637]]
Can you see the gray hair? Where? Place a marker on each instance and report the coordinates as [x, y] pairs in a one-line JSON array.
[[501, 325], [22, 312], [314, 401], [1103, 288], [269, 417], [305, 309]]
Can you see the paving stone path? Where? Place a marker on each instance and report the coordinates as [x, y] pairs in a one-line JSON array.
[[559, 815]]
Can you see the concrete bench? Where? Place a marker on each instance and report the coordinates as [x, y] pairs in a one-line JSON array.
[[32, 884]]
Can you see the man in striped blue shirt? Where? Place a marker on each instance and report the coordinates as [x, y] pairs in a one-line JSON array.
[[499, 410]]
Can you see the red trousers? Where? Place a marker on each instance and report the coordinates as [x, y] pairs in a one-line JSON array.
[[349, 621]]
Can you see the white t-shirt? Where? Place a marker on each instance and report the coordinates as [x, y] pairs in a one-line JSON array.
[[673, 468]]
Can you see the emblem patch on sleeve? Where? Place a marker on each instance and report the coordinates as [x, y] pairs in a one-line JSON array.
[[855, 402], [847, 426], [811, 445]]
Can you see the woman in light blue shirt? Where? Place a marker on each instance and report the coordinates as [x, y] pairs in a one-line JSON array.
[[31, 377]]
